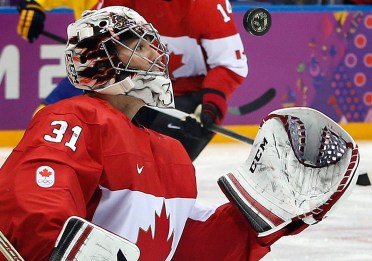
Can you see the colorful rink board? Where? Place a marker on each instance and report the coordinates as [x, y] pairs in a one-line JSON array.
[[315, 56]]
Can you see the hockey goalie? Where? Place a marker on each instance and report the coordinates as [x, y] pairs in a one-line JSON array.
[[88, 182], [300, 166], [302, 163]]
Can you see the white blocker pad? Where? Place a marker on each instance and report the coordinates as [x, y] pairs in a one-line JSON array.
[[301, 164], [81, 240]]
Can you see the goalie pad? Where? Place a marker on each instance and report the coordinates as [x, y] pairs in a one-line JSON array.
[[301, 164], [82, 240]]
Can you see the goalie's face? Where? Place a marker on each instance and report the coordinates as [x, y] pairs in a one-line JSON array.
[[139, 54]]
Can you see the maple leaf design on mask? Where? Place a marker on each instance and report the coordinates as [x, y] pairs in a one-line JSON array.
[[159, 246]]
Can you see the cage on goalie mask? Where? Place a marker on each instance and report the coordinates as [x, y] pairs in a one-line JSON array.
[[300, 165], [92, 61]]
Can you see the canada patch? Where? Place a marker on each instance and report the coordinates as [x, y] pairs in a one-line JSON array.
[[45, 176]]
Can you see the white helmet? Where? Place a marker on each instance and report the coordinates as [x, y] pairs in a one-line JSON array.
[[92, 62]]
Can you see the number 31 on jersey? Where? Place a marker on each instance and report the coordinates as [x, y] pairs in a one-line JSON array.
[[60, 132]]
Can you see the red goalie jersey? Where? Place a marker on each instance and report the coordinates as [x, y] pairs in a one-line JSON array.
[[87, 159], [205, 48]]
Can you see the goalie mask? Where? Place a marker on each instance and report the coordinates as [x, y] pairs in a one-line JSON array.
[[105, 54], [300, 166]]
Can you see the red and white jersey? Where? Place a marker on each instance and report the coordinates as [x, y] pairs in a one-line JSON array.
[[82, 157], [206, 50]]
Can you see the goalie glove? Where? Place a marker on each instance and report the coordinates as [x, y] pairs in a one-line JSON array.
[[300, 166], [31, 20], [82, 240]]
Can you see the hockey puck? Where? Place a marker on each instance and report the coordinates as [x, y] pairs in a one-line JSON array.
[[257, 21]]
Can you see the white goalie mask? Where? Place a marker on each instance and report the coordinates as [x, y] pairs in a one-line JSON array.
[[94, 62]]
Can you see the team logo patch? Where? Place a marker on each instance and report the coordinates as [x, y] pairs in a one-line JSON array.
[[45, 176]]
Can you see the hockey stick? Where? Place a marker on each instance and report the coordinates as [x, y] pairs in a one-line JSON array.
[[214, 127], [7, 249], [54, 37], [254, 105]]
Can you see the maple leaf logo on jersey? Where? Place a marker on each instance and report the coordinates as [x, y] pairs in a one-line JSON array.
[[175, 62], [45, 176], [159, 246], [45, 173]]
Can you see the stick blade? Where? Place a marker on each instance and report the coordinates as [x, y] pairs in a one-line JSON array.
[[254, 105]]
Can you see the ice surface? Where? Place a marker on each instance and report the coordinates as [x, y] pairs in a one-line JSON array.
[[344, 235]]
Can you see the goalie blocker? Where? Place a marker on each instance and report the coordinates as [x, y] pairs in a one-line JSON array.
[[301, 165], [82, 240]]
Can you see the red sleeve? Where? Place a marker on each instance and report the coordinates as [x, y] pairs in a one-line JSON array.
[[225, 235], [41, 185], [222, 44]]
